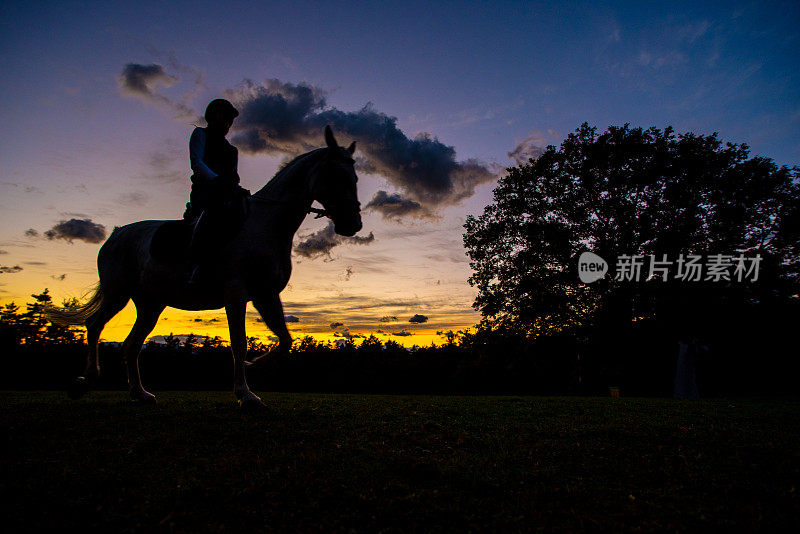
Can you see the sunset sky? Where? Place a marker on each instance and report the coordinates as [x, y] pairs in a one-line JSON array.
[[99, 100]]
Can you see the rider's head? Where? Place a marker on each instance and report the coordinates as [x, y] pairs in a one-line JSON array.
[[220, 114]]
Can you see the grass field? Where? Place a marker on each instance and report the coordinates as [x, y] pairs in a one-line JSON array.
[[371, 463]]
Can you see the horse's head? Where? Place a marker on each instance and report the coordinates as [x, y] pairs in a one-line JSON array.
[[334, 186]]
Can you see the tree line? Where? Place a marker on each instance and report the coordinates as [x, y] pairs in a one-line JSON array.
[[625, 195], [38, 355]]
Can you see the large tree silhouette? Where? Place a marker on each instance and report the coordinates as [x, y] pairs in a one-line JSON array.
[[629, 191]]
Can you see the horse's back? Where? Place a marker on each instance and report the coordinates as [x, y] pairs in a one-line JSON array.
[[126, 250], [133, 236]]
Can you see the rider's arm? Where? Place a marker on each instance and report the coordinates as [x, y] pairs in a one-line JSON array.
[[197, 147], [236, 166]]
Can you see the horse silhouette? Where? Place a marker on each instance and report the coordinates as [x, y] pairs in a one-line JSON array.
[[255, 265]]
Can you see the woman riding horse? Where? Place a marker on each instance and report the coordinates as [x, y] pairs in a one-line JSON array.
[[213, 159], [254, 265], [216, 199]]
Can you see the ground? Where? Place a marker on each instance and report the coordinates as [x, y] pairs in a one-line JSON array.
[[368, 463]]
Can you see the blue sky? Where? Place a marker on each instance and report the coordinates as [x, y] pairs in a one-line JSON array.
[[478, 76]]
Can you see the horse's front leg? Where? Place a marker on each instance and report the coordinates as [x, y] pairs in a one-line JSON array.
[[235, 311], [271, 311]]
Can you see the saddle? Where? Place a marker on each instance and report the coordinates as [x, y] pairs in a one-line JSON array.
[[172, 241], [198, 233]]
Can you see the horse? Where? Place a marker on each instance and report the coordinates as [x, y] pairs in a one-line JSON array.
[[254, 266]]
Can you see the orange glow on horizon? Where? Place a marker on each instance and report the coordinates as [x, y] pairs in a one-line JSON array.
[[179, 322]]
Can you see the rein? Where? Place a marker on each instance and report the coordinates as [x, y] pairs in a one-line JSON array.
[[304, 159], [319, 212]]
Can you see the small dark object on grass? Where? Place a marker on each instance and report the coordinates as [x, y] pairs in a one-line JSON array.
[[78, 388]]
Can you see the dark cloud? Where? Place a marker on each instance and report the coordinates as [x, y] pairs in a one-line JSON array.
[[388, 319], [142, 80], [133, 198], [146, 81], [404, 333], [74, 215], [291, 319], [336, 325], [3, 252], [348, 272], [5, 269], [278, 117], [198, 83], [347, 335], [165, 166], [30, 232], [274, 116], [418, 319], [447, 333], [321, 242], [528, 149], [205, 321], [81, 229], [395, 206]]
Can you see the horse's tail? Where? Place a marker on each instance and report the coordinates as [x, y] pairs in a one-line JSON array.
[[79, 314]]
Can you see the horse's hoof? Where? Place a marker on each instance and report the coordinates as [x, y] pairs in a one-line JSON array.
[[143, 399], [252, 406], [78, 388]]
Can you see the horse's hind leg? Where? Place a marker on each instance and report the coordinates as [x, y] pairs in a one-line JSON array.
[[146, 319], [110, 306]]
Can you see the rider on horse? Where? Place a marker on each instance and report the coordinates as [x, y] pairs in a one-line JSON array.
[[213, 159], [217, 203]]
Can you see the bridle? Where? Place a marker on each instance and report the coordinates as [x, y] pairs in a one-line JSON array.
[[309, 186], [319, 212]]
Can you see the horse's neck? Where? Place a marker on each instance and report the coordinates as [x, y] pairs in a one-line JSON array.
[[284, 200], [290, 184]]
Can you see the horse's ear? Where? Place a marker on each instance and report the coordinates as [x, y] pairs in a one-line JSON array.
[[329, 139], [352, 148]]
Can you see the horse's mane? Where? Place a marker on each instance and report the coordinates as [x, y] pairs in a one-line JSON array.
[[286, 170]]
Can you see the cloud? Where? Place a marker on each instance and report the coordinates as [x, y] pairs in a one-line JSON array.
[[145, 82], [450, 333], [395, 206], [347, 274], [166, 165], [81, 229], [291, 319], [418, 319], [3, 252], [388, 319], [59, 277], [278, 117], [5, 269], [692, 31], [347, 335], [321, 242], [141, 80], [670, 58], [30, 232], [403, 333], [530, 148], [336, 325], [198, 76], [133, 198]]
